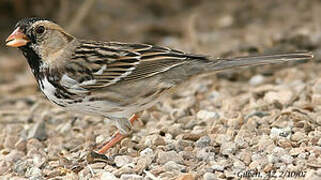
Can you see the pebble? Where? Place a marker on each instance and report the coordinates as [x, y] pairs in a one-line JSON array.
[[286, 158], [163, 157], [277, 132], [228, 148], [186, 177], [34, 173], [157, 140], [100, 139], [206, 154], [245, 156], [283, 96], [222, 138], [181, 144], [10, 142], [256, 80], [209, 176], [171, 165], [34, 144], [298, 136], [38, 131], [108, 175], [203, 142], [21, 145], [285, 143], [14, 156], [123, 160], [131, 177], [206, 115], [217, 167], [146, 152], [20, 167]]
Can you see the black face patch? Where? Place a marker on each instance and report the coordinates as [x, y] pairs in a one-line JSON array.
[[32, 57]]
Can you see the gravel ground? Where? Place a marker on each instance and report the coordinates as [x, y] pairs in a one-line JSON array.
[[261, 122]]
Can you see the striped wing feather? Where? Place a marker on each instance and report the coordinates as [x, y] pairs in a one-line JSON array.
[[109, 63]]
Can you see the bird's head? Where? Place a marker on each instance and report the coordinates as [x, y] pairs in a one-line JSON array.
[[39, 39]]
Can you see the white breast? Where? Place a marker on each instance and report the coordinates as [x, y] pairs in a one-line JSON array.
[[49, 90]]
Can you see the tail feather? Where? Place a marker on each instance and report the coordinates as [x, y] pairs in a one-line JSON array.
[[222, 64]]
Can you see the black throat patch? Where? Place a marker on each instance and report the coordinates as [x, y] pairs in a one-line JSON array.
[[34, 61]]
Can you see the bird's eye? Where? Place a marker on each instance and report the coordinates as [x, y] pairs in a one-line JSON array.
[[40, 29]]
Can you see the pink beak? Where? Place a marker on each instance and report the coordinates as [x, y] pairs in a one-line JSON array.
[[17, 39]]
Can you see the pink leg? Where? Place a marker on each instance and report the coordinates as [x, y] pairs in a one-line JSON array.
[[116, 138]]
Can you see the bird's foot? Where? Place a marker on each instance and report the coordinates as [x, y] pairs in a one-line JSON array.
[[115, 139]]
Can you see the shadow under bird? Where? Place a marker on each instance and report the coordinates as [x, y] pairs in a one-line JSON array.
[[111, 79]]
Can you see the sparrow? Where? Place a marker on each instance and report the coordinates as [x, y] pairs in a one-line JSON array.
[[111, 79]]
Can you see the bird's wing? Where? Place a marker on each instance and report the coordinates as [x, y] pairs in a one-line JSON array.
[[97, 64]]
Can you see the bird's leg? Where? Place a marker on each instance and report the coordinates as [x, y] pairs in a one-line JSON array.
[[116, 138]]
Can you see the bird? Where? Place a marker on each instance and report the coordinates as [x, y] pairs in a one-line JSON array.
[[113, 80]]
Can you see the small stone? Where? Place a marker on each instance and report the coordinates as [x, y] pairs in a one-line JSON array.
[[284, 143], [209, 176], [217, 167], [239, 165], [163, 157], [283, 96], [34, 144], [302, 155], [158, 141], [146, 152], [98, 165], [277, 132], [185, 177], [287, 159], [175, 129], [64, 127], [5, 166], [38, 131], [279, 151], [187, 155], [181, 144], [222, 138], [38, 157], [34, 173], [296, 151], [203, 141], [123, 170], [240, 142], [206, 154], [131, 177], [257, 80], [245, 156], [20, 167], [171, 165], [254, 165], [100, 139], [268, 168], [298, 136], [10, 142], [21, 145], [108, 175], [123, 160], [143, 162], [228, 148], [14, 156], [192, 137], [206, 115], [226, 21], [316, 99]]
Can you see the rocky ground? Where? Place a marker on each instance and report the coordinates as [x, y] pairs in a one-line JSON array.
[[261, 122]]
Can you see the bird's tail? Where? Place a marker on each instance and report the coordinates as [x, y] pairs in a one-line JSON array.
[[222, 64]]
